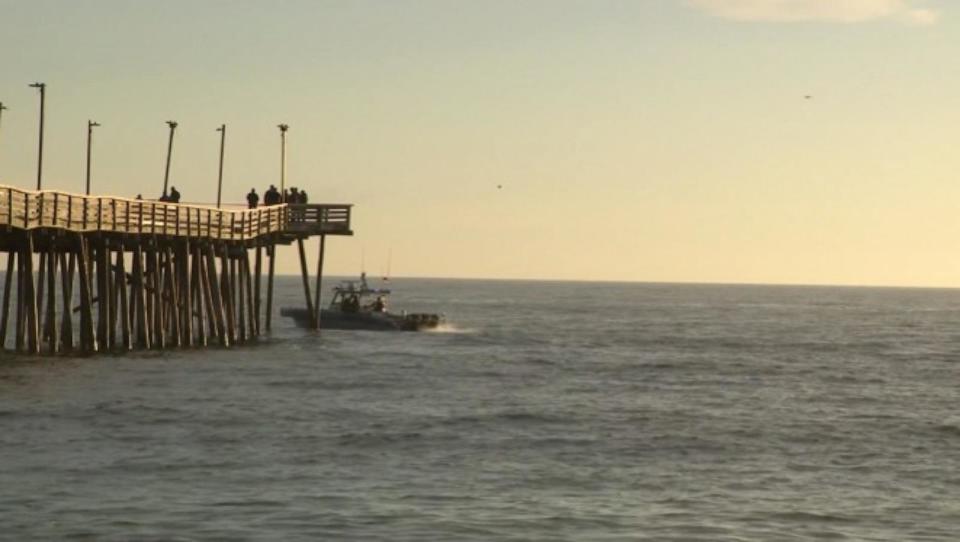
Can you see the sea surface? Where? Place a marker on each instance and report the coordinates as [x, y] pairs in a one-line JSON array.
[[544, 411]]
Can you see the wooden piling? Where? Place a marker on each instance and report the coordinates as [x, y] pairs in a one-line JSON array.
[[124, 310], [7, 285], [33, 320], [256, 288], [306, 282], [272, 254], [88, 340], [66, 273], [316, 303], [51, 331]]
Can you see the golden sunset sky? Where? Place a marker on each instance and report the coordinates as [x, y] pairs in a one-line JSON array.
[[742, 141]]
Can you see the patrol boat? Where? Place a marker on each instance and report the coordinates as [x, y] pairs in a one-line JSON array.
[[355, 305]]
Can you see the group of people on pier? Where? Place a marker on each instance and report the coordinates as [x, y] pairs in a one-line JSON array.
[[271, 197], [274, 197], [172, 197]]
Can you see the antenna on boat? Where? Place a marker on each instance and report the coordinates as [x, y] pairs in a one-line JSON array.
[[386, 277]]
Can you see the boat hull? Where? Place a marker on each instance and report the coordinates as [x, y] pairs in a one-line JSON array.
[[369, 321]]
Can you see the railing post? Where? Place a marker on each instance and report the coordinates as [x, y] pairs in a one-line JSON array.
[[99, 213]]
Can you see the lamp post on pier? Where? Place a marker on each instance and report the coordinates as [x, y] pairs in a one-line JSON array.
[[90, 126], [283, 161], [2, 108], [43, 95], [223, 140], [166, 175]]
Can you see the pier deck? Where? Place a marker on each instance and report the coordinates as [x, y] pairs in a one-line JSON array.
[[142, 273]]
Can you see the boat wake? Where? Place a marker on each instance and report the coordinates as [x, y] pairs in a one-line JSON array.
[[450, 328]]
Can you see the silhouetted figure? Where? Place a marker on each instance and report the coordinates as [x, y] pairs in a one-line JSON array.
[[303, 196], [252, 199], [164, 197], [139, 196], [174, 196], [271, 196], [293, 196]]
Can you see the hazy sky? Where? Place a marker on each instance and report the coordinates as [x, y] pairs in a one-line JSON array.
[[650, 140]]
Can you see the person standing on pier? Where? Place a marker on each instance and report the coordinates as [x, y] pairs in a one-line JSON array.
[[174, 196], [271, 196], [252, 199]]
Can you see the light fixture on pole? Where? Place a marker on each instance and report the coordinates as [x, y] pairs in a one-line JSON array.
[[283, 161], [43, 95], [90, 126], [2, 108], [166, 175], [223, 140]]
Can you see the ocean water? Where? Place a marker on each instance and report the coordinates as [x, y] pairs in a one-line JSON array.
[[545, 411]]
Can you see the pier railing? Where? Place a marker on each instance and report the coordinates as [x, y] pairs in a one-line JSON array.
[[27, 209]]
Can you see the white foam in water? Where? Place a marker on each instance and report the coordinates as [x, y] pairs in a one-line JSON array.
[[450, 328]]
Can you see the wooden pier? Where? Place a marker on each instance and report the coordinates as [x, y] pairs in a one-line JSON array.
[[88, 274]]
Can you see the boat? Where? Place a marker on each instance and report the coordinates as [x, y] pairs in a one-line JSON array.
[[357, 306]]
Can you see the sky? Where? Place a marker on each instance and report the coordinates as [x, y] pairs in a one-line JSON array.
[[732, 141]]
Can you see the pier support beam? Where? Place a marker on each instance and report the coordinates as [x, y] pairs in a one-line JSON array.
[[316, 303], [306, 283]]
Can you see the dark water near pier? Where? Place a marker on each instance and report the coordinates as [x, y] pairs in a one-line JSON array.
[[550, 411]]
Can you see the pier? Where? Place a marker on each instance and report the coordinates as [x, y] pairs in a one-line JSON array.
[[95, 274]]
